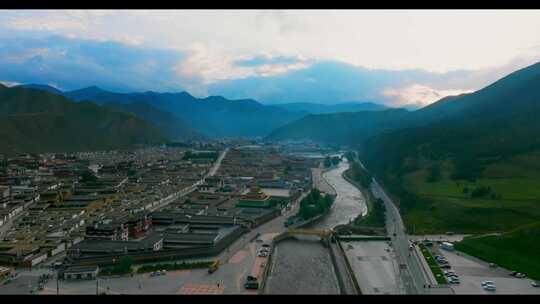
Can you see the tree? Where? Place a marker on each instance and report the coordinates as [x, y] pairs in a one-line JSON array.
[[315, 195]]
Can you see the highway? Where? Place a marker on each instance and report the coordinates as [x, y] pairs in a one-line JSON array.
[[412, 276]]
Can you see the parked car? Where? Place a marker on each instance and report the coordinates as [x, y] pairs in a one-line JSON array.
[[514, 273], [262, 254], [535, 284], [492, 265], [266, 245], [520, 275], [446, 266]]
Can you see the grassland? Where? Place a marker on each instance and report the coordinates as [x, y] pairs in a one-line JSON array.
[[445, 207], [518, 250], [435, 269]]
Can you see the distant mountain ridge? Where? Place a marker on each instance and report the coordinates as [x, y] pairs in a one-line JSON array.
[[42, 87], [317, 108], [33, 120], [215, 116]]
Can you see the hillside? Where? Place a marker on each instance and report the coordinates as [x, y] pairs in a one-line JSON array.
[[340, 128], [470, 166], [42, 87], [37, 121], [167, 123], [214, 116], [317, 108]]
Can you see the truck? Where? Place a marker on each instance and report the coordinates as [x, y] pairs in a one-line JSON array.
[[447, 246]]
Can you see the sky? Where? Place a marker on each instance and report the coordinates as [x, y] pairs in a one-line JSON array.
[[394, 57]]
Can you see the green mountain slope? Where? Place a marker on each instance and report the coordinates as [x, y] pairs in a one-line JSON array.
[[471, 167], [37, 121], [167, 123]]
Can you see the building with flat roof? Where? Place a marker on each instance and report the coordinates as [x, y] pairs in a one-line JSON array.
[[80, 272]]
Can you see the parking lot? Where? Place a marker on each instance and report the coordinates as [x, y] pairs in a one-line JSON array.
[[472, 272]]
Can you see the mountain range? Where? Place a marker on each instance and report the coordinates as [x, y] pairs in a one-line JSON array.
[[33, 120], [318, 108], [214, 116]]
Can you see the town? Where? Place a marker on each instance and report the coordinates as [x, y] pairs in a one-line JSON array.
[[79, 214]]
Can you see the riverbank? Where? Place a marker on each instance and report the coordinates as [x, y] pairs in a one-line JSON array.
[[371, 223]]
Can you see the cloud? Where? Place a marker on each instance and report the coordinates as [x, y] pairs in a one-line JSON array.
[[418, 95], [75, 63], [9, 83], [267, 60]]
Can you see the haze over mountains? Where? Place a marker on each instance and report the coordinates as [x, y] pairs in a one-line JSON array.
[[473, 119], [167, 116], [213, 116], [504, 105]]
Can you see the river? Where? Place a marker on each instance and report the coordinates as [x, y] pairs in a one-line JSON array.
[[305, 267], [349, 203]]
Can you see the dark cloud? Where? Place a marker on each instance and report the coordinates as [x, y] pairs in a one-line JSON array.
[[74, 63]]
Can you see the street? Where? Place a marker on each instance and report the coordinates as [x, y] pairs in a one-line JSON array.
[[412, 276]]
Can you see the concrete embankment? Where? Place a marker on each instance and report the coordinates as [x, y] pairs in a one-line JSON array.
[[301, 267]]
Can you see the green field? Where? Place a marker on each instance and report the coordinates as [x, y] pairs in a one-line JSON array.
[[433, 265], [509, 188], [518, 250], [444, 207]]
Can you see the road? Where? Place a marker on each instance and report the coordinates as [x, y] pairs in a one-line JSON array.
[[412, 276], [173, 197]]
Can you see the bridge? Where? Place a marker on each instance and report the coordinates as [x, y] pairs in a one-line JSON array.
[[323, 234]]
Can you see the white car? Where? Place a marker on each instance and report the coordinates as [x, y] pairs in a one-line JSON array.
[[535, 284], [490, 288]]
